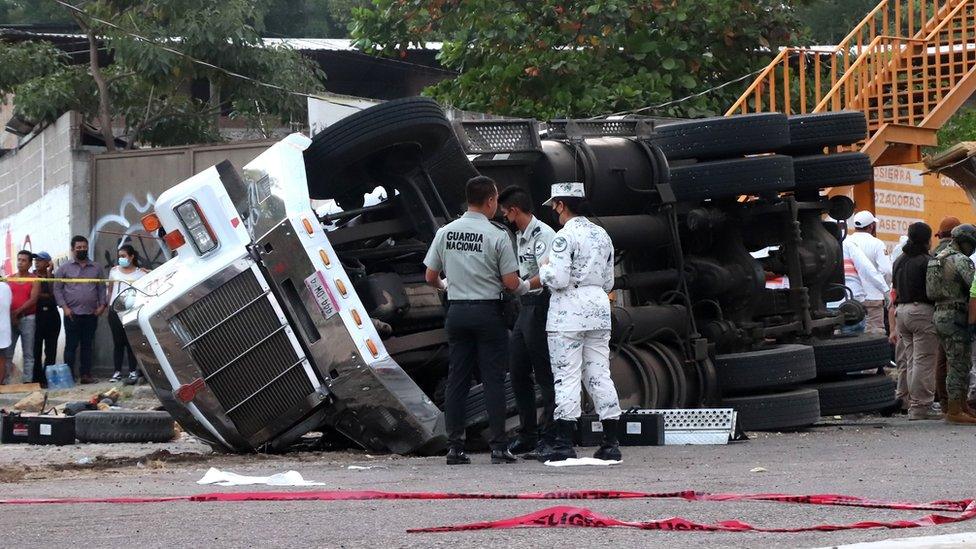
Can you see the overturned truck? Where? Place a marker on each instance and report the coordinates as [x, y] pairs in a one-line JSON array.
[[273, 320]]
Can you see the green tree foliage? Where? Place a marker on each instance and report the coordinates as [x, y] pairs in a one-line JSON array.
[[553, 58], [32, 12], [829, 21], [310, 18], [148, 89]]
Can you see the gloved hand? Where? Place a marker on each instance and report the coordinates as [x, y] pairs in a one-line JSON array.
[[523, 288]]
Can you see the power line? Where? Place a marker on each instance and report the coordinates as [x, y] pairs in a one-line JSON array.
[[198, 61]]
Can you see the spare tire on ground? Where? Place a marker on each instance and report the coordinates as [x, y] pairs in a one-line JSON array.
[[779, 366], [723, 136], [842, 354], [777, 411], [856, 394], [811, 133], [355, 138], [124, 426], [831, 170], [731, 178]]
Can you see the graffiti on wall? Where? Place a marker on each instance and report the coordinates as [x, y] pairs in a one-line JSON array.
[[113, 230], [43, 225]]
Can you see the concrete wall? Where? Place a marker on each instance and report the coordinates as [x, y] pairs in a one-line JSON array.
[[44, 194]]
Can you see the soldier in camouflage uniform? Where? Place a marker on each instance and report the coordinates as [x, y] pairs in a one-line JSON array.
[[579, 273], [949, 278], [945, 237]]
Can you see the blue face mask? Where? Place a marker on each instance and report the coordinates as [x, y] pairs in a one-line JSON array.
[[124, 262]]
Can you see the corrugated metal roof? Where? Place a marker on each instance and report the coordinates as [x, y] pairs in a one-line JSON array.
[[328, 44]]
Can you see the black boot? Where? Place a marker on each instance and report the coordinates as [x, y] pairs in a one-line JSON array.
[[456, 456], [610, 449], [544, 444], [562, 442], [502, 456], [522, 444]]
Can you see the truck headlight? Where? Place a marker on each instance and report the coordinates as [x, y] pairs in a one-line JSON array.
[[196, 226]]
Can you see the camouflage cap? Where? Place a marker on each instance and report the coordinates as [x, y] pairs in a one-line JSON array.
[[566, 190], [965, 232]]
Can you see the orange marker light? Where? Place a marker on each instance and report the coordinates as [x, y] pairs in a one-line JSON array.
[[325, 258], [151, 223], [341, 286], [174, 239], [372, 348], [308, 226], [356, 318]]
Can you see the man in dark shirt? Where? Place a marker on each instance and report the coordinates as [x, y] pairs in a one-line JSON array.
[[82, 303], [914, 326], [48, 321]]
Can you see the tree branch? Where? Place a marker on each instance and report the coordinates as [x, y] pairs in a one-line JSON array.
[[104, 102]]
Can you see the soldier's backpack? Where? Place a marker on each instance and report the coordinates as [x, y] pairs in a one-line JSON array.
[[940, 284]]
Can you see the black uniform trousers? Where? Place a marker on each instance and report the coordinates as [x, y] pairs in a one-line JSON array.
[[529, 364], [47, 328], [477, 337]]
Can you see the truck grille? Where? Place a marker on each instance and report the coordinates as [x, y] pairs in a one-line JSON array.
[[244, 353]]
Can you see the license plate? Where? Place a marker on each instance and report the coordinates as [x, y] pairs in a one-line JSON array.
[[323, 295]]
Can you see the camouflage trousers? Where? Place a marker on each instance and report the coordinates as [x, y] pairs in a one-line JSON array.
[[952, 326], [582, 359]]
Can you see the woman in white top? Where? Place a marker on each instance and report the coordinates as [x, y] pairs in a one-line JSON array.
[[5, 297], [122, 276]]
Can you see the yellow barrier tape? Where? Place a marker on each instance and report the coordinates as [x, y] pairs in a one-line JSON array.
[[62, 280]]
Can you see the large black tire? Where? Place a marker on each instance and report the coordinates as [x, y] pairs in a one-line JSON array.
[[832, 170], [810, 133], [779, 366], [856, 394], [450, 171], [731, 178], [843, 354], [113, 426], [358, 136], [790, 410], [723, 136], [475, 411]]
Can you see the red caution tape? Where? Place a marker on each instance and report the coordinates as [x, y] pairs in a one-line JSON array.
[[565, 516]]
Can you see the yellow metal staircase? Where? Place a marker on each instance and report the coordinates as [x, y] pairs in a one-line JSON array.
[[908, 65]]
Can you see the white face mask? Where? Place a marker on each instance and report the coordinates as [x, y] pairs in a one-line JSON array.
[[124, 262]]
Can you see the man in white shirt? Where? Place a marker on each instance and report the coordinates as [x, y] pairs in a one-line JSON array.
[[876, 251]]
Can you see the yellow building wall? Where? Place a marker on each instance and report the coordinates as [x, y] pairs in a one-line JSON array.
[[903, 195]]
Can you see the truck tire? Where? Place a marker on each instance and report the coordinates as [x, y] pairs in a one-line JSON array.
[[779, 366], [475, 411], [723, 136], [810, 133], [450, 171], [410, 120], [843, 354], [856, 394], [731, 178], [789, 410], [832, 170], [129, 426]]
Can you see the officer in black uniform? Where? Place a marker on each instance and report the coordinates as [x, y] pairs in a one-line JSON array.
[[529, 346], [479, 261]]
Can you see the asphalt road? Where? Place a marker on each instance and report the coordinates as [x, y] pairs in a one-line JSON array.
[[888, 459]]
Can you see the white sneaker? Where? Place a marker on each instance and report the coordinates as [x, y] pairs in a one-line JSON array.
[[116, 377]]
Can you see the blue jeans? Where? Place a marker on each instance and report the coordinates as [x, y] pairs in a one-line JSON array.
[[856, 328]]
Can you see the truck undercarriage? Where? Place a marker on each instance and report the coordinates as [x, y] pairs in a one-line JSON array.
[[296, 321]]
